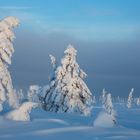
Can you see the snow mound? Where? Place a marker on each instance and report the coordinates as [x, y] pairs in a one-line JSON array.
[[23, 112], [104, 120]]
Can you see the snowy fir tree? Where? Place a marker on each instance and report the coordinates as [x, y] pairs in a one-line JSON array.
[[138, 102], [53, 61], [6, 50], [108, 105], [103, 97], [130, 98], [107, 117], [33, 93], [20, 95], [54, 66], [67, 91], [94, 100]]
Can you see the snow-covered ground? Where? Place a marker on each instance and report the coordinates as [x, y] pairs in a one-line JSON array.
[[52, 126]]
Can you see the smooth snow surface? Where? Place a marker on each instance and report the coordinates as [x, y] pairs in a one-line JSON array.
[[56, 126]]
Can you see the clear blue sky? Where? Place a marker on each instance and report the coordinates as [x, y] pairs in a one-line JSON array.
[[106, 34], [86, 19]]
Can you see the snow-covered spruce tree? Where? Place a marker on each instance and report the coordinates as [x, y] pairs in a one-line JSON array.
[[67, 91], [33, 93], [103, 97], [6, 51], [108, 105], [107, 117], [94, 100], [54, 65], [138, 102], [130, 98], [20, 95]]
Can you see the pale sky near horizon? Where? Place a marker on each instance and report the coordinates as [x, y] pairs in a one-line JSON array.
[[106, 34]]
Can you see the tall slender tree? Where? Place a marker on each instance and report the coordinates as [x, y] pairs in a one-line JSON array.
[[103, 97], [130, 98], [6, 50], [108, 106], [67, 91]]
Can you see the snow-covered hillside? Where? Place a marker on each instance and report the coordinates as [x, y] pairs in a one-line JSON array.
[[53, 126]]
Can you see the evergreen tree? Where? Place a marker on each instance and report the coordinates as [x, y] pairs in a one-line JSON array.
[[33, 93], [109, 107], [130, 98], [20, 95], [6, 51], [54, 65], [67, 91], [103, 97], [107, 117], [138, 102]]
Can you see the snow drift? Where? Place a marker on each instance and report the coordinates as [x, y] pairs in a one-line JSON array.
[[23, 112], [104, 120]]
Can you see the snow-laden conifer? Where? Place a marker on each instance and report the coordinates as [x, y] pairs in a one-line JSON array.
[[108, 105], [103, 97], [67, 91], [107, 117], [130, 98], [6, 50], [54, 66], [138, 102], [20, 95], [33, 93]]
